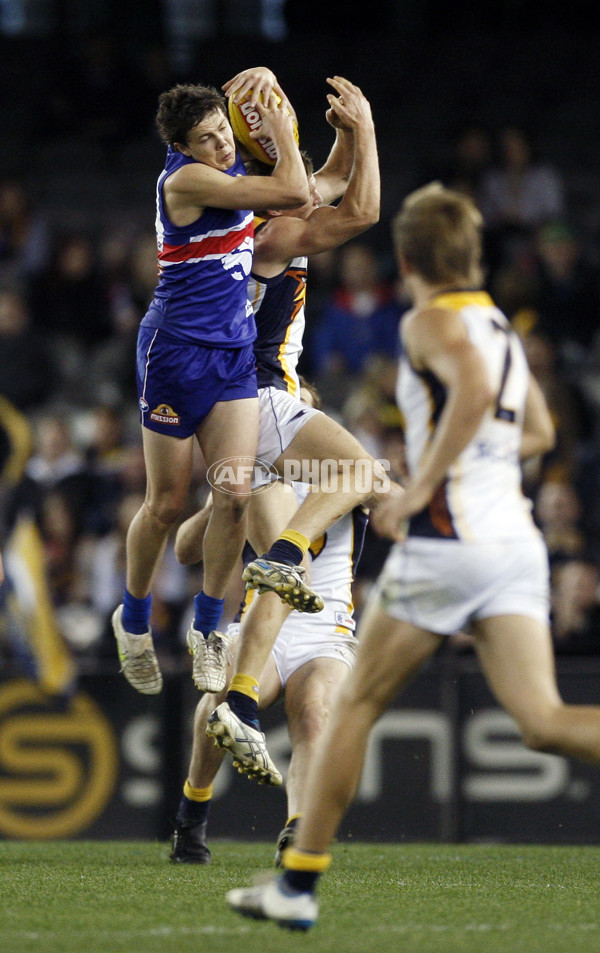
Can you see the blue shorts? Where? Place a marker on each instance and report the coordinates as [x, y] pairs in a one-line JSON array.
[[179, 384]]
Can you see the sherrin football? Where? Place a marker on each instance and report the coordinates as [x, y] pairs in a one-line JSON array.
[[245, 118]]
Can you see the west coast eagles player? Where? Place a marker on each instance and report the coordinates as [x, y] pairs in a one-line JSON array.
[[307, 664], [470, 555]]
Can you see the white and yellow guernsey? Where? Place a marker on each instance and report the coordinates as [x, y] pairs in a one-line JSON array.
[[481, 497]]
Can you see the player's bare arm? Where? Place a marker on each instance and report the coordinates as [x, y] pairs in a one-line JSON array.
[[327, 227], [205, 182], [437, 340], [539, 434]]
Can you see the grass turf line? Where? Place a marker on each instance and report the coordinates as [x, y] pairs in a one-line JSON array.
[[125, 897]]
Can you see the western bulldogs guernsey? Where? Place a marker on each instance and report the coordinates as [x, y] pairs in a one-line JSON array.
[[278, 304], [481, 497], [202, 296]]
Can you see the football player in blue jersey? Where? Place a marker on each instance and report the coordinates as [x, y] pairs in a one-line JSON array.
[[290, 433], [195, 363]]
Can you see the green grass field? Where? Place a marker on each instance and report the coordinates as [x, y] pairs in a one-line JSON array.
[[125, 897]]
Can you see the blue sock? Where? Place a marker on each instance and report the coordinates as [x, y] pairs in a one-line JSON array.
[[191, 812], [207, 613], [302, 881], [282, 551], [136, 613]]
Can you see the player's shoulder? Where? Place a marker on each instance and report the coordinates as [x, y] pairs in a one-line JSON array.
[[275, 240]]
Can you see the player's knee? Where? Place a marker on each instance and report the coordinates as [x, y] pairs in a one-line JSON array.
[[311, 719], [164, 511], [540, 734], [233, 505]]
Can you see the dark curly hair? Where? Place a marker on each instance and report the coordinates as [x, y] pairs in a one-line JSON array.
[[183, 107]]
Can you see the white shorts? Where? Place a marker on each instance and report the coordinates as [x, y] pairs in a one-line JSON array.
[[443, 585], [304, 637], [281, 416]]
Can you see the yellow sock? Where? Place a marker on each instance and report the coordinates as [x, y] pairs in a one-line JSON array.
[[298, 539], [246, 685], [197, 794], [303, 860]]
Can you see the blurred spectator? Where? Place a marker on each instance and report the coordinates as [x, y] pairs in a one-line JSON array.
[[106, 448], [70, 298], [105, 455], [60, 533], [587, 483], [569, 411], [567, 286], [371, 412], [130, 270], [558, 514], [107, 565], [576, 607], [27, 374], [518, 194], [360, 320], [56, 464], [470, 159], [24, 233], [55, 456], [106, 575]]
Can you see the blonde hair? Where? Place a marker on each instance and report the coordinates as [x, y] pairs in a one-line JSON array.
[[438, 232]]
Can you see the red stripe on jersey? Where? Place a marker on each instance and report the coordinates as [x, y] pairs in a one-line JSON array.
[[211, 245]]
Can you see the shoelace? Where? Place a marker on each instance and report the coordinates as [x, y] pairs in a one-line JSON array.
[[142, 665], [220, 647]]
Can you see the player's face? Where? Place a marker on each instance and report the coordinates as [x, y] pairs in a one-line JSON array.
[[211, 142]]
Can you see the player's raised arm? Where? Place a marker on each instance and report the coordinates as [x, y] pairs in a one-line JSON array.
[[329, 226], [202, 183]]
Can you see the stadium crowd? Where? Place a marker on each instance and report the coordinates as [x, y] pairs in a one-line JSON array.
[[72, 294]]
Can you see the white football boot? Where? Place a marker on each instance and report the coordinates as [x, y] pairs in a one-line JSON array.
[[273, 901], [246, 745], [137, 656]]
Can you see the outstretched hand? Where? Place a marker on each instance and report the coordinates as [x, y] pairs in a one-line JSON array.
[[349, 108]]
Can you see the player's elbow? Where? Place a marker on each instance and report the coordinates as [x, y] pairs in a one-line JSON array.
[[370, 217], [366, 214]]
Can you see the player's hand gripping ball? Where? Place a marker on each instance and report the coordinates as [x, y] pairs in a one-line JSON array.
[[245, 118]]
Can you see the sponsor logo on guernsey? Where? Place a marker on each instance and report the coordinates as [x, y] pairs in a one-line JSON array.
[[163, 414], [345, 620]]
